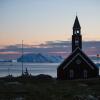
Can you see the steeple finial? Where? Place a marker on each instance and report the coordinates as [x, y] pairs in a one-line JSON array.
[[76, 13]]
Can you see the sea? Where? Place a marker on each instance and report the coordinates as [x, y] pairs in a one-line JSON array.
[[15, 68]]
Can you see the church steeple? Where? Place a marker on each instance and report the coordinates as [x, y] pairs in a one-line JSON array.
[[76, 37]]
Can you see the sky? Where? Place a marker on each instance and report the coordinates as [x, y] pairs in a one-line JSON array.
[[37, 21]]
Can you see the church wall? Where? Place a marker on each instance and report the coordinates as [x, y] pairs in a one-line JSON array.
[[78, 70]]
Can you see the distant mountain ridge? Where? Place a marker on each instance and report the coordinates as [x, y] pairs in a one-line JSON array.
[[39, 58]]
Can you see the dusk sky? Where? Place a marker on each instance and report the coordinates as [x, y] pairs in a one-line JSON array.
[[37, 21]]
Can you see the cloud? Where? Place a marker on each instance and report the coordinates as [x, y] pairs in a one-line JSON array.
[[62, 48]]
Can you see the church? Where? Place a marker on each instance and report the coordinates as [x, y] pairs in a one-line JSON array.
[[77, 65]]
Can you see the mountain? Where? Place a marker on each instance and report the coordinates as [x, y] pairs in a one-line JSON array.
[[39, 58]]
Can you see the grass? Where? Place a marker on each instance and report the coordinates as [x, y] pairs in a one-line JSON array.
[[48, 89]]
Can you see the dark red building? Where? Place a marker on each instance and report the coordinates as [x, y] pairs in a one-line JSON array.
[[77, 65]]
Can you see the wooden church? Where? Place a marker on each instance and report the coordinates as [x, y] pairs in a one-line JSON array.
[[77, 65]]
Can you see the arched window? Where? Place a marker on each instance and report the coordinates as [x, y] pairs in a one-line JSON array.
[[76, 41], [75, 32], [85, 73], [71, 72]]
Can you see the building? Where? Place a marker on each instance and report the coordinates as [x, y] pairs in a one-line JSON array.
[[77, 65]]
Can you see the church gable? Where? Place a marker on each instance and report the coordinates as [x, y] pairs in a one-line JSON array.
[[77, 53], [78, 60], [68, 58]]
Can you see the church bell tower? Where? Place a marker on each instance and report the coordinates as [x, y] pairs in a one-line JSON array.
[[76, 37]]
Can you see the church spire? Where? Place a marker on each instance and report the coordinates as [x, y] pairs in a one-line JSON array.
[[76, 24], [76, 37]]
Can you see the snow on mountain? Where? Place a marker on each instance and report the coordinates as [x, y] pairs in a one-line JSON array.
[[40, 58]]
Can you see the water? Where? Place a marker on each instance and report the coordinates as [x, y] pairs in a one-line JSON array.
[[34, 68]]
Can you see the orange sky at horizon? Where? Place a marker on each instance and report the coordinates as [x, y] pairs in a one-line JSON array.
[[38, 40]]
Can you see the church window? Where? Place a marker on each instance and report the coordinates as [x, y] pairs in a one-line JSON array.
[[75, 32], [71, 72], [85, 73], [76, 42]]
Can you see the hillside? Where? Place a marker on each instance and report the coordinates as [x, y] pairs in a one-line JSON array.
[[43, 87]]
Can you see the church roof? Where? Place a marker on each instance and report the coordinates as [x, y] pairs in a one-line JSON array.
[[75, 53], [76, 23]]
